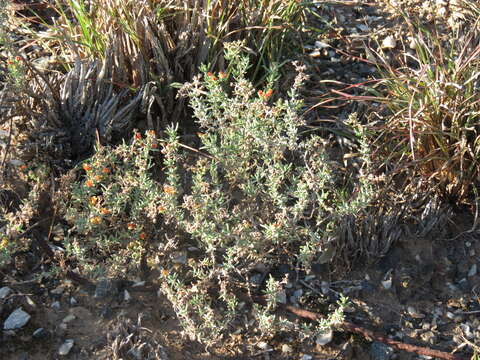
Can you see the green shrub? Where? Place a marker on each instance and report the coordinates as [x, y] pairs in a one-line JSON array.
[[256, 192]]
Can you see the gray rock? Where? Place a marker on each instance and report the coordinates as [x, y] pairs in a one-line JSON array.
[[56, 305], [16, 320], [380, 351], [4, 292], [73, 301], [65, 348], [471, 272]]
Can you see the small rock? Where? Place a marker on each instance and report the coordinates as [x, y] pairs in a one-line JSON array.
[[387, 284], [450, 315], [39, 333], [30, 301], [414, 313], [4, 292], [73, 301], [467, 331], [66, 347], [286, 349], [380, 351], [56, 305], [16, 320], [179, 257], [126, 296], [69, 318], [321, 45], [325, 338], [325, 287], [307, 357], [389, 42], [471, 272], [262, 345]]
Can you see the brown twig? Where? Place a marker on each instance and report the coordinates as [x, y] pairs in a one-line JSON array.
[[348, 326]]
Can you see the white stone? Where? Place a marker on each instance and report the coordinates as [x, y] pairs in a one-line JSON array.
[[389, 42]]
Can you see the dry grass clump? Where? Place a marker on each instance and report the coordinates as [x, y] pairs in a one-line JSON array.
[[433, 96]]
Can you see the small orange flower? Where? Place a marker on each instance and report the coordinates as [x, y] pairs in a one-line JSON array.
[[162, 208], [165, 272], [104, 211], [142, 236], [86, 167], [222, 75], [96, 220], [106, 170], [154, 146], [260, 93], [268, 93], [138, 136], [151, 133], [98, 178], [131, 226], [211, 76], [89, 183], [93, 200], [18, 58], [168, 189], [23, 167], [10, 62]]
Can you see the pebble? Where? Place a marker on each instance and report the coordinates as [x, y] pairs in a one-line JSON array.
[[30, 301], [4, 292], [179, 258], [389, 42], [56, 305], [324, 338], [126, 296], [380, 351], [262, 345], [66, 347], [286, 349], [414, 313], [39, 333], [69, 318], [16, 320], [387, 284], [73, 301], [307, 357], [471, 272], [321, 45]]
